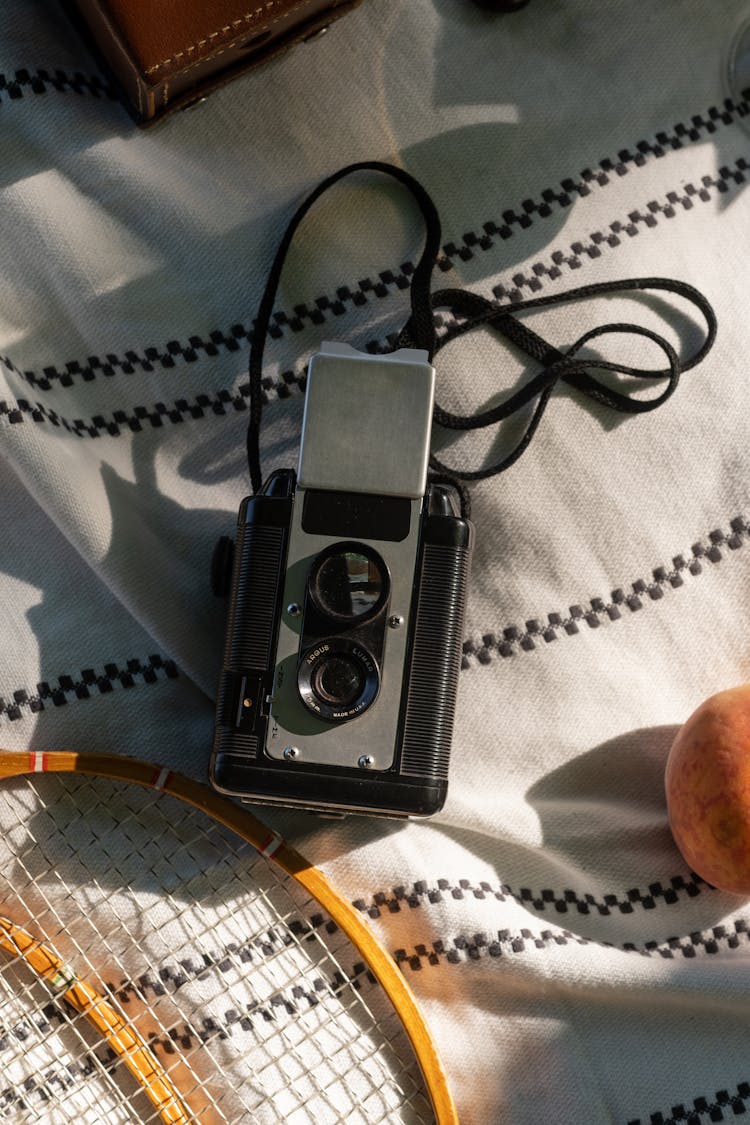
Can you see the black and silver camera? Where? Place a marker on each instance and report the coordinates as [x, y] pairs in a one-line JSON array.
[[346, 607]]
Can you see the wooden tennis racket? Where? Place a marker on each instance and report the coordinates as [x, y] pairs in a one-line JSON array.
[[165, 957]]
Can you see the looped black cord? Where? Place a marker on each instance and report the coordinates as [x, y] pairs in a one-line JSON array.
[[472, 310], [572, 371]]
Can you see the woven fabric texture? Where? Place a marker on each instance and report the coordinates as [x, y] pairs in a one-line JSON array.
[[573, 969]]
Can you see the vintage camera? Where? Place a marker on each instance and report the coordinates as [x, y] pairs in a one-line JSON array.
[[346, 605]]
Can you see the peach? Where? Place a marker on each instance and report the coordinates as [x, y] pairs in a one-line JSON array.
[[707, 783]]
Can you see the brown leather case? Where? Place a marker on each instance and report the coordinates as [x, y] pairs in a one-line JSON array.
[[167, 54]]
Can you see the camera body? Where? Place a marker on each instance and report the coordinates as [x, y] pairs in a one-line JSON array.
[[347, 596]]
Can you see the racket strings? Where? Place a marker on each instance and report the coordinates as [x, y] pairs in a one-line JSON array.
[[254, 1004], [57, 858], [76, 1082], [42, 878]]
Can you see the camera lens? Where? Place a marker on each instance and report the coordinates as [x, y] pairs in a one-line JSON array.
[[349, 582], [338, 679]]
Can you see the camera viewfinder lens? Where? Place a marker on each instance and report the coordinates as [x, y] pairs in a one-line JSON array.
[[348, 584]]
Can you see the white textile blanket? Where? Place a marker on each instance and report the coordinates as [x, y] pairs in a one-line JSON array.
[[573, 969]]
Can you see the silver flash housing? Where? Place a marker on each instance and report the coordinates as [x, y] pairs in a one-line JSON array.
[[367, 421]]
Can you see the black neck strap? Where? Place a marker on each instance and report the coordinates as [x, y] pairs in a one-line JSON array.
[[421, 318], [468, 310]]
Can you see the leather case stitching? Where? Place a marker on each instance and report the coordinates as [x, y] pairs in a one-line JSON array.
[[219, 31], [228, 46]]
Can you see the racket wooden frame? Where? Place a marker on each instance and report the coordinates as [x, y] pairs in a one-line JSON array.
[[269, 844], [115, 1030]]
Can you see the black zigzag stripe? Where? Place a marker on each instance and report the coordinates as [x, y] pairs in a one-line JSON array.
[[27, 82], [231, 340], [255, 949], [279, 1008], [147, 361], [516, 639], [667, 208], [422, 893], [503, 943], [155, 416], [397, 279], [608, 170], [513, 219], [24, 702], [181, 409], [475, 652], [722, 1106]]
